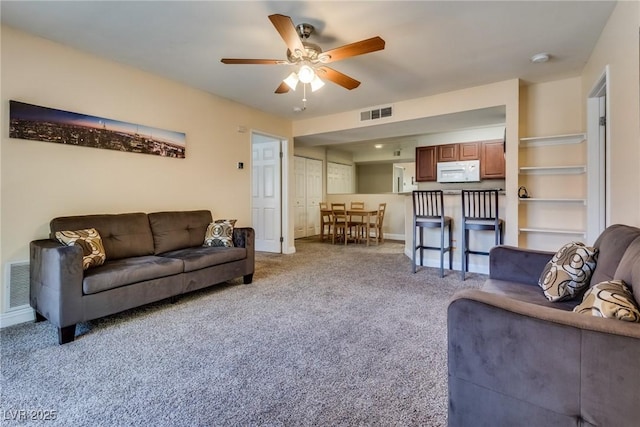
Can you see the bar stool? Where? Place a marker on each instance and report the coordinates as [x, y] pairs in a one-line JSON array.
[[479, 212], [428, 212]]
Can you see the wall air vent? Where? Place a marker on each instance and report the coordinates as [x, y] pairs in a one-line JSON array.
[[376, 113], [18, 284]]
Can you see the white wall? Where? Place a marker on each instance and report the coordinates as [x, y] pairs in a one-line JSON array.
[[43, 180], [617, 47], [551, 108]]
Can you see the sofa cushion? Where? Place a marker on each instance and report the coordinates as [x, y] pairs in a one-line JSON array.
[[123, 235], [220, 233], [629, 268], [526, 293], [178, 230], [122, 272], [612, 244], [205, 256], [611, 300], [568, 272], [89, 240]]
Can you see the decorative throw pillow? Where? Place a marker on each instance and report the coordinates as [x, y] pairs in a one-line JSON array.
[[90, 241], [220, 233], [611, 300], [568, 272]]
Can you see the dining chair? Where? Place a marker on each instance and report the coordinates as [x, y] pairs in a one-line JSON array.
[[479, 213], [325, 221], [357, 223], [378, 221], [339, 222], [428, 212]]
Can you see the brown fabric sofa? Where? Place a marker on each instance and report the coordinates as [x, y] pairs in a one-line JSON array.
[[149, 257], [516, 359]]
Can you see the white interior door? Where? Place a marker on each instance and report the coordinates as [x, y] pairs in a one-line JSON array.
[[299, 197], [598, 159], [266, 198], [313, 195]]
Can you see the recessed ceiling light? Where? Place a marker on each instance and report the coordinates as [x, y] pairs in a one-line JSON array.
[[539, 58], [378, 145]]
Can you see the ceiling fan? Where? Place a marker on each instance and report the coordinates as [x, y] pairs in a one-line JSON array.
[[309, 57]]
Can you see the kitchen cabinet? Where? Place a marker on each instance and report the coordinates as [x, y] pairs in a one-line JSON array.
[[469, 151], [492, 162], [490, 153], [448, 152], [426, 169]]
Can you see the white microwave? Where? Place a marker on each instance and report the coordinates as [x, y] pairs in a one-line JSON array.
[[466, 171]]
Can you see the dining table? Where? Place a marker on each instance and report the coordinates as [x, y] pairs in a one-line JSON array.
[[365, 214]]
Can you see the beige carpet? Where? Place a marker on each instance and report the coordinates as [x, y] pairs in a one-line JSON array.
[[331, 335]]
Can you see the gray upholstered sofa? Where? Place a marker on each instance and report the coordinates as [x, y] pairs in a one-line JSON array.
[[516, 359], [149, 257]]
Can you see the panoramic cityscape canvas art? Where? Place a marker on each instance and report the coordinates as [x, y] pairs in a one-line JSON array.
[[38, 123]]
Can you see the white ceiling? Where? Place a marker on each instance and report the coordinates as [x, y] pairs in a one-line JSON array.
[[431, 46]]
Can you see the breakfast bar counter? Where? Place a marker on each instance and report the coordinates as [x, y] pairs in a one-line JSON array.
[[453, 209]]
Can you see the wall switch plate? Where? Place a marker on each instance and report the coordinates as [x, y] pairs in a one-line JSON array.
[[240, 165]]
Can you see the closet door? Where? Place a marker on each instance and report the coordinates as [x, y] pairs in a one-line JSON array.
[[299, 197], [313, 195]]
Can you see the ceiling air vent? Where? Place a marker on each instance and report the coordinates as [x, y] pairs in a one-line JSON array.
[[376, 113]]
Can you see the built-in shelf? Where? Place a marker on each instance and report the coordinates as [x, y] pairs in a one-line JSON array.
[[553, 170], [540, 141], [542, 210], [554, 200], [582, 233]]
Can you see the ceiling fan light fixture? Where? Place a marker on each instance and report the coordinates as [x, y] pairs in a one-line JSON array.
[[306, 74], [292, 80], [316, 83], [324, 58]]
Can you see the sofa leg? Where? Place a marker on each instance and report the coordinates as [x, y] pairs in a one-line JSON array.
[[66, 334], [40, 317], [248, 278]]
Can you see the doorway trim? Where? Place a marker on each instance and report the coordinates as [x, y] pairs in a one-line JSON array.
[[285, 247], [598, 158]]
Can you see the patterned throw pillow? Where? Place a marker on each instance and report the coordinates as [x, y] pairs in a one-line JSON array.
[[220, 233], [611, 300], [90, 241], [568, 272]]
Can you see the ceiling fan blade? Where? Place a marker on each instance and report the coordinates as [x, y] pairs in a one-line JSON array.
[[252, 61], [283, 88], [284, 26], [358, 48], [338, 78]]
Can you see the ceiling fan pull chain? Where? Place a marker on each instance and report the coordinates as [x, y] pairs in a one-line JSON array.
[[304, 95]]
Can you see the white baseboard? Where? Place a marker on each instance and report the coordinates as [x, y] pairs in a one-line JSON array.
[[391, 236], [290, 250], [17, 316], [457, 265]]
